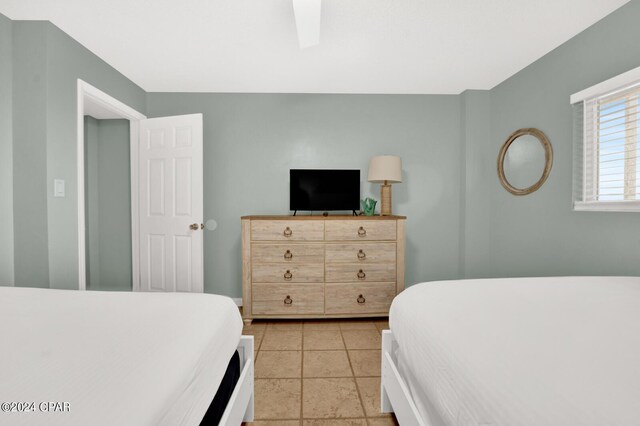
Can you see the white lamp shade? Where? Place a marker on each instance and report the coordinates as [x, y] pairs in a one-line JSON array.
[[385, 167]]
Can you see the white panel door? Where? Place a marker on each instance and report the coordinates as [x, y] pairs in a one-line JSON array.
[[170, 194]]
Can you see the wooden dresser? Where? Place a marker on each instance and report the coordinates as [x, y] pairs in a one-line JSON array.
[[321, 266]]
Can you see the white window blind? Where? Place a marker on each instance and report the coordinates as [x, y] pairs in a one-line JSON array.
[[607, 163]]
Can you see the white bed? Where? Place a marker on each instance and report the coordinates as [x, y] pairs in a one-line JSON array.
[[119, 358], [526, 351]]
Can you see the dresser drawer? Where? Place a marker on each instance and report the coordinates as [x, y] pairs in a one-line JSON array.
[[287, 230], [356, 272], [360, 230], [362, 253], [283, 299], [287, 253], [282, 273], [359, 298]]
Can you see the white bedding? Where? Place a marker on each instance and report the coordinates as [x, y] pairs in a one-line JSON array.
[[526, 351], [117, 358]]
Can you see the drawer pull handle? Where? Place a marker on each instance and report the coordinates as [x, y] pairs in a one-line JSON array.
[[288, 275], [361, 275], [361, 299], [288, 255], [288, 300], [361, 255], [287, 232], [362, 232]]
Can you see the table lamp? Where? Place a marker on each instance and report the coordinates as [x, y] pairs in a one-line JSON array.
[[385, 169]]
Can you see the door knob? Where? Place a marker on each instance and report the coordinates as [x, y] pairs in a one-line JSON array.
[[194, 226]]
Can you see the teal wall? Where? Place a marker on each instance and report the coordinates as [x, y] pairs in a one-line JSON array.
[[540, 234], [30, 189], [68, 61], [477, 168], [46, 66], [108, 204], [251, 142], [461, 223], [6, 152]]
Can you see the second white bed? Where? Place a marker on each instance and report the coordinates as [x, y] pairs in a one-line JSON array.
[[529, 351], [116, 358]]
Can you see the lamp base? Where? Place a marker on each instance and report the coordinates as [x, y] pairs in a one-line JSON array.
[[385, 199]]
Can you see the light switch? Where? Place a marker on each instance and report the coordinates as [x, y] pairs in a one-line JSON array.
[[58, 187]]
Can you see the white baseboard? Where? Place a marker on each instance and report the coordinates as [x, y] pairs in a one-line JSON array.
[[238, 300]]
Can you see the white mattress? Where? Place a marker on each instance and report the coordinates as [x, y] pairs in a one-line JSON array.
[[526, 351], [117, 358]]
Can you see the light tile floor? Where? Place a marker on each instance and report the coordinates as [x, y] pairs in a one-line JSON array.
[[318, 373]]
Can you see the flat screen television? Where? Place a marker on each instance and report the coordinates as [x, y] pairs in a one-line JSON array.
[[324, 190]]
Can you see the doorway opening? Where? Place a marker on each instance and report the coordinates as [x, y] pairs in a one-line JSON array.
[[107, 167]]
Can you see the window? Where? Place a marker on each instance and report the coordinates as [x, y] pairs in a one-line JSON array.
[[607, 167]]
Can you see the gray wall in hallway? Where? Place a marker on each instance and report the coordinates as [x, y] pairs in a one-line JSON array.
[[251, 142], [540, 234], [108, 204], [6, 152], [46, 66], [91, 203]]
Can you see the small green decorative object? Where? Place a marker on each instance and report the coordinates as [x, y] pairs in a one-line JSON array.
[[368, 206]]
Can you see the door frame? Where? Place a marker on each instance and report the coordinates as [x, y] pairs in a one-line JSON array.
[[86, 90]]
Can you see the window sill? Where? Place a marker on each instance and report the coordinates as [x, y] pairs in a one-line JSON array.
[[607, 206]]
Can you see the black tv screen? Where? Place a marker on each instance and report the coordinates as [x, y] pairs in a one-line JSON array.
[[324, 190]]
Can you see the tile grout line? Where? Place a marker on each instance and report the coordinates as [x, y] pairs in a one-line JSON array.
[[321, 377], [261, 341], [311, 418], [264, 333], [311, 350], [355, 382]]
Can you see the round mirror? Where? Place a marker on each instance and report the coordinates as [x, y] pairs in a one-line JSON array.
[[525, 161]]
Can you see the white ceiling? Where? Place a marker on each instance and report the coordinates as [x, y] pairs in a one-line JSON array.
[[366, 46]]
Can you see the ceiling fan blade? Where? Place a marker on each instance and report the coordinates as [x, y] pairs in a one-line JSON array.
[[307, 14]]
